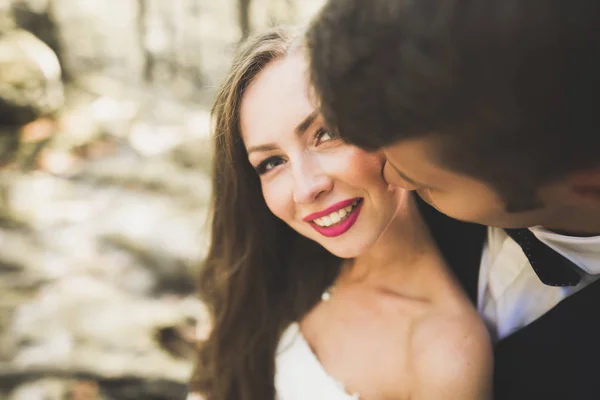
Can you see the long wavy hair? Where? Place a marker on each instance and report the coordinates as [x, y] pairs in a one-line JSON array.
[[259, 275]]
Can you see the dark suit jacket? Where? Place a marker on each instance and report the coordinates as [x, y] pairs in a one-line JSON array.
[[555, 357]]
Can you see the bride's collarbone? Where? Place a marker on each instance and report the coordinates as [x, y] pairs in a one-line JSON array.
[[382, 296], [392, 354], [380, 336], [350, 323]]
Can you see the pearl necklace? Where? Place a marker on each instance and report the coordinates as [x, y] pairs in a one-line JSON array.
[[326, 296]]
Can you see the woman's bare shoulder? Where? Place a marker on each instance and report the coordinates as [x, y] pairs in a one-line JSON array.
[[452, 357]]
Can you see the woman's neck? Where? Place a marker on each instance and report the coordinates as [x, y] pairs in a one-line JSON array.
[[404, 241]]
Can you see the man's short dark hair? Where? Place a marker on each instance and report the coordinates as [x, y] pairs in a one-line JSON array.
[[509, 86]]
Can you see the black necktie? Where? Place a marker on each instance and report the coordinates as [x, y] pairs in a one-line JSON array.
[[551, 267]]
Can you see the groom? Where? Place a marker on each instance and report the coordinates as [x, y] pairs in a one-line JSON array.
[[489, 110]]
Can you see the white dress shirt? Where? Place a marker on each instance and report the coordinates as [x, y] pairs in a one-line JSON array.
[[510, 295]]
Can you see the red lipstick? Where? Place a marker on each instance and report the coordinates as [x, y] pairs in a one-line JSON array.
[[327, 211], [342, 226]]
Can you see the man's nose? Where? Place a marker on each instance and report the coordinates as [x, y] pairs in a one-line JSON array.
[[390, 175]]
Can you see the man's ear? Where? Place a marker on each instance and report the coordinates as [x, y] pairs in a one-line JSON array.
[[586, 185]]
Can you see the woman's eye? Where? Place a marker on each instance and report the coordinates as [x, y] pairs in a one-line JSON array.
[[323, 135], [268, 165]]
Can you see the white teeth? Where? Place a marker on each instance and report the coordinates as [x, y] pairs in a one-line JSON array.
[[336, 216]]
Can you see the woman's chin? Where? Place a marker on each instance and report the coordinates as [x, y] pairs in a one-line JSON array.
[[345, 251]]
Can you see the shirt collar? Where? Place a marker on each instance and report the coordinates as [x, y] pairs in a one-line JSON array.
[[583, 251]]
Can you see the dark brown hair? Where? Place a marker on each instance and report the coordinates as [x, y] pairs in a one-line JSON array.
[[259, 274], [507, 87]]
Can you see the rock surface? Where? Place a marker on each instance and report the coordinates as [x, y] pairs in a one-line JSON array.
[[30, 84]]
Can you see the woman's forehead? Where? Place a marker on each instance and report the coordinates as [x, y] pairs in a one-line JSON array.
[[276, 101]]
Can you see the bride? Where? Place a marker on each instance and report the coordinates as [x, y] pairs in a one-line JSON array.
[[322, 281]]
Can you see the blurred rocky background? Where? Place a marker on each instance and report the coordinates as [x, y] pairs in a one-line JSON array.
[[104, 183]]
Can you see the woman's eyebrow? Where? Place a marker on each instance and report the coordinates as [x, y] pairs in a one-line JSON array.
[[300, 130], [306, 123], [262, 147]]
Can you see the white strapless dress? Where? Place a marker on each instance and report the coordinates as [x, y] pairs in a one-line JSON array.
[[298, 373]]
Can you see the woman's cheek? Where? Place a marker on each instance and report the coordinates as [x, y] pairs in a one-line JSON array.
[[355, 165], [279, 198]]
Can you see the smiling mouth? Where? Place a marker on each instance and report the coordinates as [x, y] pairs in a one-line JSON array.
[[336, 217], [339, 221]]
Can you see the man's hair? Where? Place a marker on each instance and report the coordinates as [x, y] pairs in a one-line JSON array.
[[508, 86]]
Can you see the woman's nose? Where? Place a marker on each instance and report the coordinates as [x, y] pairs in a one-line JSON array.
[[310, 181]]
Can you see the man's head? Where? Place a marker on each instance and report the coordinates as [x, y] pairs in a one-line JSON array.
[[488, 106]]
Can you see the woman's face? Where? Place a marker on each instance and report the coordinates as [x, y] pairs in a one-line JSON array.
[[325, 189]]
